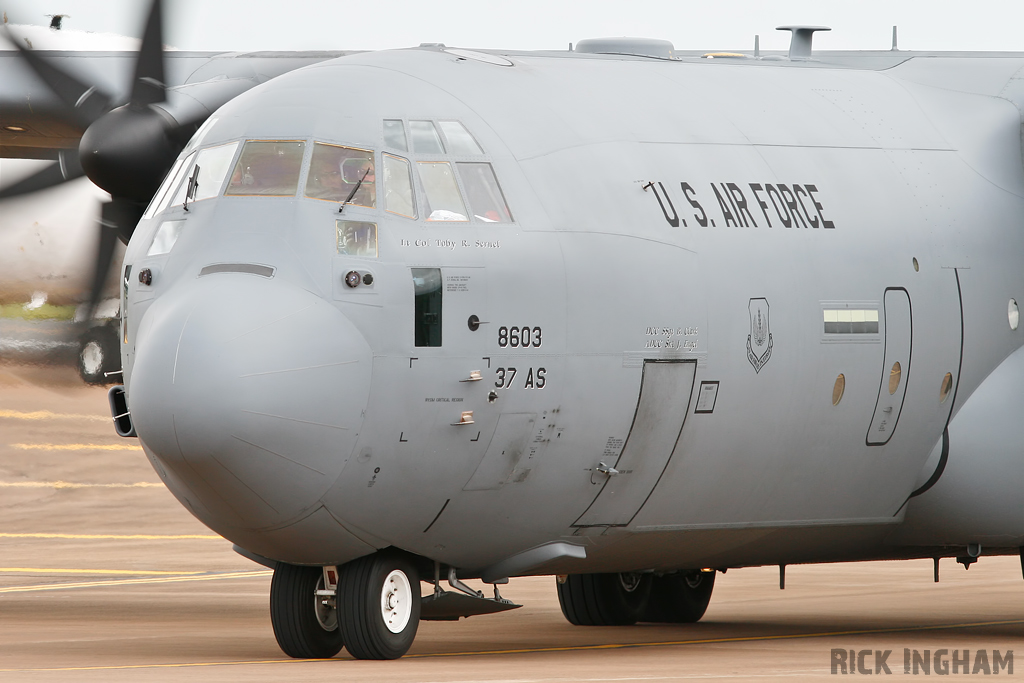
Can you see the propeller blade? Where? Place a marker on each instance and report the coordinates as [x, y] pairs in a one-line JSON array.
[[148, 86], [86, 102], [68, 168], [117, 218]]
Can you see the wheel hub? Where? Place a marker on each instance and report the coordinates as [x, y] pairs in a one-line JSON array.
[[630, 581], [396, 601], [326, 609]]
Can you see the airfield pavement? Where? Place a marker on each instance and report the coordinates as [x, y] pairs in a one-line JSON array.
[[105, 577]]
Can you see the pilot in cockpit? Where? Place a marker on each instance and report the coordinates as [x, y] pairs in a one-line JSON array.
[[334, 175]]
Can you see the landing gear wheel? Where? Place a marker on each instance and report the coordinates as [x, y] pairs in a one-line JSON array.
[[680, 598], [98, 353], [604, 599], [305, 627], [380, 606]]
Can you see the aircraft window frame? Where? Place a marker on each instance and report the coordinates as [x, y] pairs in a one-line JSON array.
[[492, 189], [298, 175], [428, 209], [165, 237], [356, 238], [165, 187], [404, 147], [412, 184], [204, 172], [455, 144], [437, 138], [368, 153], [176, 183]]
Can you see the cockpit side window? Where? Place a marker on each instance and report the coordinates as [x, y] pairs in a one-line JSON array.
[[460, 141], [425, 139], [268, 168], [213, 163], [165, 187], [394, 134], [173, 181], [336, 172], [444, 203], [486, 201], [398, 194]]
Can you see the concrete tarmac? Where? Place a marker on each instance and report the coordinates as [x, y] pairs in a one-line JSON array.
[[105, 577]]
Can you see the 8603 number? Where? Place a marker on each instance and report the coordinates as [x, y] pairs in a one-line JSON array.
[[517, 337]]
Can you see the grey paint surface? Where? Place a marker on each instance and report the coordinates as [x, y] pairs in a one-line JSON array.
[[308, 413]]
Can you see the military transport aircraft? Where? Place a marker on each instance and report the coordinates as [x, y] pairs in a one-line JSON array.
[[620, 314]]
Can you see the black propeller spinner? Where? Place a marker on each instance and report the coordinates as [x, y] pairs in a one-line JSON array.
[[126, 150]]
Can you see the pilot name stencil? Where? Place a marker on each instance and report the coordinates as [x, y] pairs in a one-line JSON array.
[[433, 243], [750, 206]]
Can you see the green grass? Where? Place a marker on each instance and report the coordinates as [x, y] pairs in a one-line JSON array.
[[44, 312]]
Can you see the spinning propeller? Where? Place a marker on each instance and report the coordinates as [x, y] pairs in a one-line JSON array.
[[126, 149]]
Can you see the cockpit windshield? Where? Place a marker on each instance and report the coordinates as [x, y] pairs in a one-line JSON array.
[[335, 172], [268, 168]]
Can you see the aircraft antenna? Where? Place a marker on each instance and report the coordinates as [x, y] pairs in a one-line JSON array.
[[757, 46], [800, 43], [894, 48]]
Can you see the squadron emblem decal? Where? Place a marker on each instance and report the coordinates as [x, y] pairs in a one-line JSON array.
[[759, 341]]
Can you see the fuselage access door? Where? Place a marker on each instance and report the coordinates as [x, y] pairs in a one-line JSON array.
[[665, 391]]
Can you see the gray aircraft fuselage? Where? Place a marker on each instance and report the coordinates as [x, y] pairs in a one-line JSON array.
[[698, 250]]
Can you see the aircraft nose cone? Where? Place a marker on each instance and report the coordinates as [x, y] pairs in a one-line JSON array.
[[251, 393]]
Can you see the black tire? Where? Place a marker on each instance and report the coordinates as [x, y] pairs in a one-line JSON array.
[[361, 591], [604, 599], [99, 353], [680, 598], [294, 607]]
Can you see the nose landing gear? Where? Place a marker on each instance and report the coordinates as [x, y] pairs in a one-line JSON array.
[[379, 606], [305, 622], [373, 609]]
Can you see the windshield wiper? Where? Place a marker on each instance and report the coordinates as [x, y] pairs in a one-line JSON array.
[[353, 192]]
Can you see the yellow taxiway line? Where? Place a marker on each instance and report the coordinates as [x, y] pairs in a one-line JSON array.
[[76, 485], [104, 572], [181, 577], [568, 648], [76, 446], [47, 415], [120, 537]]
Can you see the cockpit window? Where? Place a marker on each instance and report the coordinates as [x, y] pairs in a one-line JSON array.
[[444, 203], [398, 195], [171, 183], [459, 139], [268, 168], [336, 172], [213, 163], [485, 198], [425, 139], [394, 134]]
